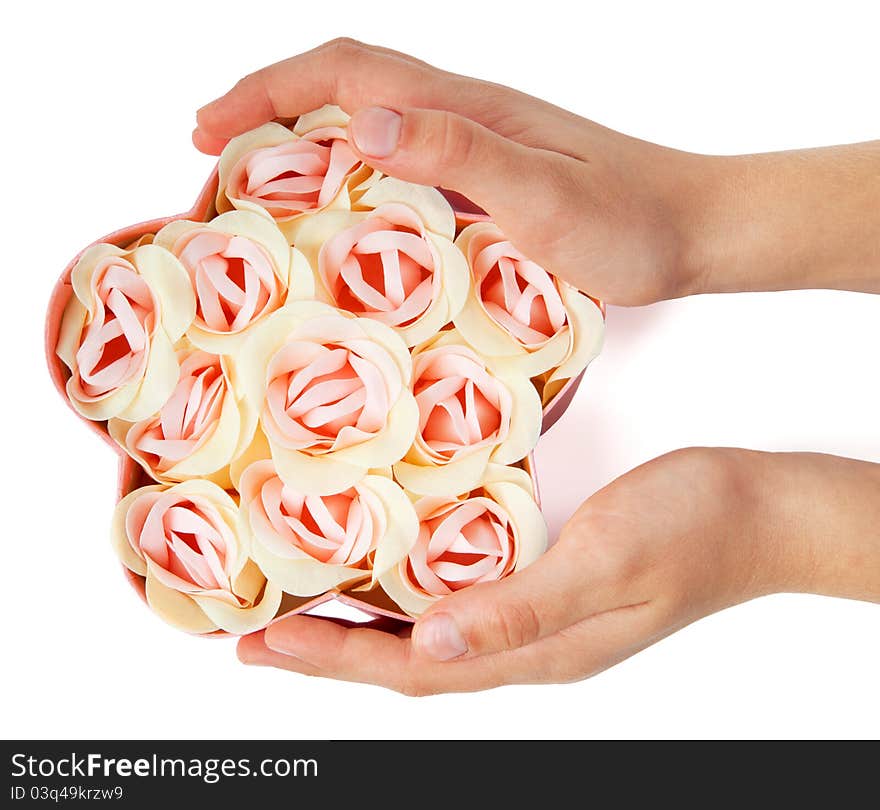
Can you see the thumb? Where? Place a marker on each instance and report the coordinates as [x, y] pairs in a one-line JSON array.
[[440, 148], [549, 595]]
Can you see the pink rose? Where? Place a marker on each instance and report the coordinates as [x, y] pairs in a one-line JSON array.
[[184, 541], [480, 537], [308, 544], [292, 177], [290, 173], [394, 263], [517, 311], [117, 331], [333, 395], [241, 269], [198, 432], [469, 414]]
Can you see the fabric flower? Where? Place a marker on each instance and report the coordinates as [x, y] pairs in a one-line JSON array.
[[469, 415], [117, 332], [478, 537], [198, 432], [333, 395], [241, 269], [394, 263], [308, 544], [288, 174], [184, 540], [516, 310]]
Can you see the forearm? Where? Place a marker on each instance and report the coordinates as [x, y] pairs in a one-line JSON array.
[[786, 220], [821, 518]]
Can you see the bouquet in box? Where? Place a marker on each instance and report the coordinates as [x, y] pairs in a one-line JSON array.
[[322, 382]]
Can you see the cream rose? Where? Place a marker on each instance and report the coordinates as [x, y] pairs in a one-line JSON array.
[[478, 537], [308, 544], [288, 174], [518, 311], [469, 415], [241, 269], [117, 332], [333, 395], [202, 428], [394, 263], [184, 540]]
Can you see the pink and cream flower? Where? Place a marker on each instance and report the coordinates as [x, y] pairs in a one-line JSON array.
[[117, 334], [394, 262], [291, 173], [241, 269], [333, 395], [202, 428], [481, 536], [184, 540], [308, 544], [517, 311], [469, 414]]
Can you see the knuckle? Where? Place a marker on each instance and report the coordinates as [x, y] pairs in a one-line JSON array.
[[259, 85], [568, 180], [453, 140], [346, 68], [513, 625], [602, 542], [564, 182], [310, 673], [412, 687], [711, 468], [251, 79], [344, 47], [346, 55], [569, 672], [409, 679]]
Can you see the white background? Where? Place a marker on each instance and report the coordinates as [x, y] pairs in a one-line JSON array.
[[99, 102]]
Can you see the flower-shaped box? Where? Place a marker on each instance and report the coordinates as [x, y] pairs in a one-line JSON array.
[[134, 443]]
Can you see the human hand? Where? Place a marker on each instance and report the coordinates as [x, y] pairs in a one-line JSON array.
[[625, 220], [604, 211], [678, 538], [633, 223]]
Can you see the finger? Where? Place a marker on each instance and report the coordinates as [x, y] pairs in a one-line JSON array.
[[568, 583], [371, 656], [354, 75], [440, 148], [314, 646], [594, 644], [207, 143], [341, 72], [252, 649]]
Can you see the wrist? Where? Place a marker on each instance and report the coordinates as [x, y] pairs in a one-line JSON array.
[[692, 196], [820, 524], [703, 192], [780, 221]]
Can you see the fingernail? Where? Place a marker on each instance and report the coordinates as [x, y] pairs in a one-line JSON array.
[[251, 650], [275, 641], [376, 131], [439, 638]]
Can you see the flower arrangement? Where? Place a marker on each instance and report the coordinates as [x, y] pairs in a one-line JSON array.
[[323, 380]]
